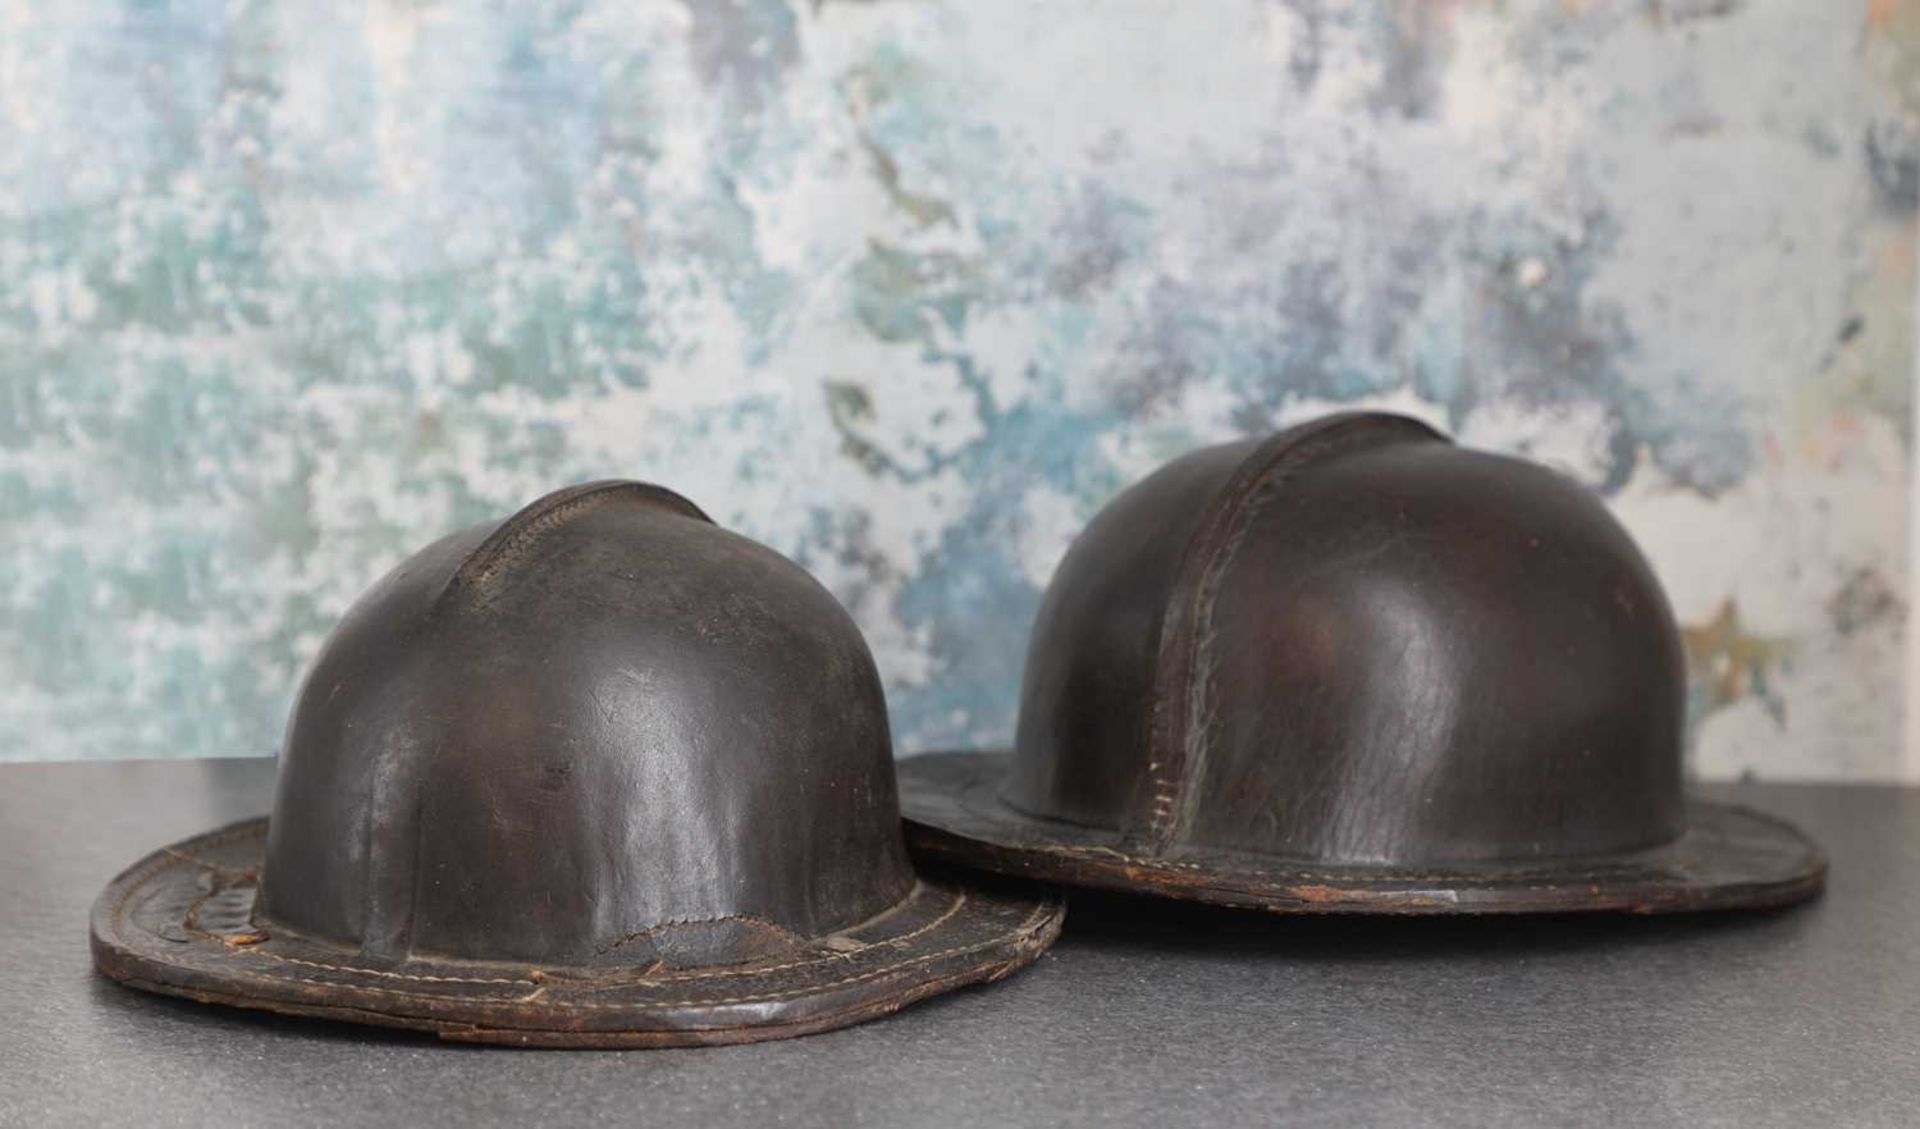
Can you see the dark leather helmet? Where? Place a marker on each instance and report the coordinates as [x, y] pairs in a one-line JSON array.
[[1355, 667], [600, 774]]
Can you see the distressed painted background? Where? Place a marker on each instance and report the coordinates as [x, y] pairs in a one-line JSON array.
[[906, 289]]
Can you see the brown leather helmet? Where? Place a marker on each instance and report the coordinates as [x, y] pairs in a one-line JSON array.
[[603, 774], [1353, 667]]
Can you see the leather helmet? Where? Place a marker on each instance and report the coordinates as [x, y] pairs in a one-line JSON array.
[[602, 774], [1353, 667]]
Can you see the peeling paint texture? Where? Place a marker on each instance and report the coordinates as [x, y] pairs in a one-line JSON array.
[[907, 290]]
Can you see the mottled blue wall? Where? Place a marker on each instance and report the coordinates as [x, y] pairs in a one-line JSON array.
[[907, 289]]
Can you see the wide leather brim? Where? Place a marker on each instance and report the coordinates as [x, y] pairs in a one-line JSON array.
[[1728, 858], [178, 922]]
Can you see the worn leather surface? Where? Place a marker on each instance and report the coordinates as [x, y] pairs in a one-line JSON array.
[[1353, 645], [605, 746]]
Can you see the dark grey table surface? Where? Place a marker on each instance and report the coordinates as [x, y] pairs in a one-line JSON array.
[[1145, 1014]]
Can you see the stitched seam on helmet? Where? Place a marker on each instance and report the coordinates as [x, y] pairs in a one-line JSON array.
[[1172, 776], [744, 971], [724, 973], [393, 975], [252, 828], [172, 857], [1355, 875], [478, 570], [1026, 926], [1100, 854], [508, 543], [709, 974], [782, 931]]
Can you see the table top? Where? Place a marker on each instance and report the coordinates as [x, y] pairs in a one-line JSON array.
[[1144, 1014]]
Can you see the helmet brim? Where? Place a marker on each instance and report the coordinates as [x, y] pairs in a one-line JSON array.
[[1729, 857], [177, 923]]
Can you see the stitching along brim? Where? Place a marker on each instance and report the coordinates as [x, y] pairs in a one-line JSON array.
[[175, 923], [1729, 858]]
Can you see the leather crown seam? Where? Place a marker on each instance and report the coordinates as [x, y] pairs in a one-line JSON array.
[[519, 532], [1173, 767]]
